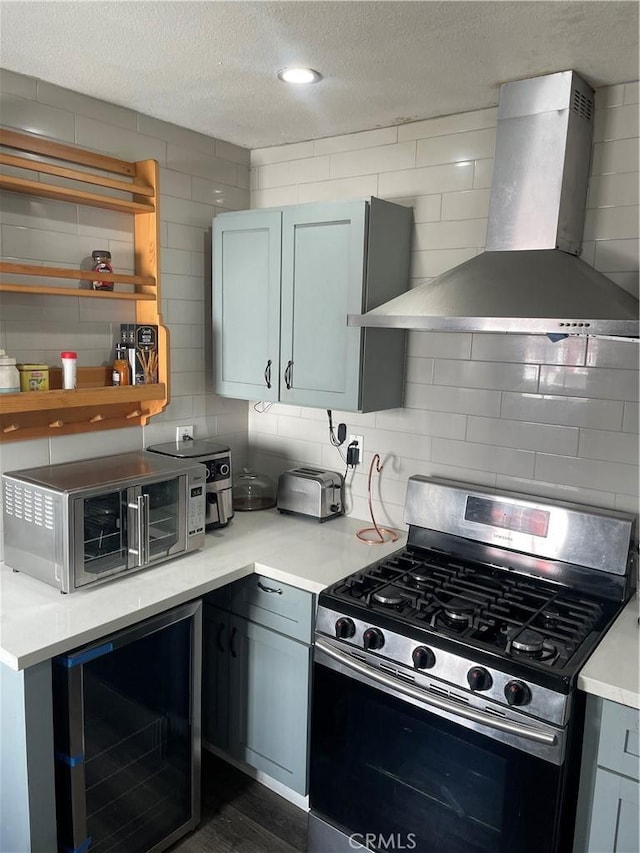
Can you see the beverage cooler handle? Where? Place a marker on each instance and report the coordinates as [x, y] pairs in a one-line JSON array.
[[141, 508]]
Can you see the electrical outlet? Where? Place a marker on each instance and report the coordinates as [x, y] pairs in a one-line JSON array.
[[183, 432], [360, 442]]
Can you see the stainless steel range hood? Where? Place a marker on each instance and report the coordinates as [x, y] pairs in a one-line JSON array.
[[529, 279]]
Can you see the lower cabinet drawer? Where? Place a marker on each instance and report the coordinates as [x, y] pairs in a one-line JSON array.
[[275, 605]]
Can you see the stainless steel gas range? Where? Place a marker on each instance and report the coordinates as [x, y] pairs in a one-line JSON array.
[[446, 716]]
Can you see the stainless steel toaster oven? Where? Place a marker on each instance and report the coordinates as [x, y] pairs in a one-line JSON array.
[[77, 524]]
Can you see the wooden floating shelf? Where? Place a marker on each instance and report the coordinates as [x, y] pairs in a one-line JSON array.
[[36, 401], [94, 405]]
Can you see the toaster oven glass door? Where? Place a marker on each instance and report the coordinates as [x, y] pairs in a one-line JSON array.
[[127, 529]]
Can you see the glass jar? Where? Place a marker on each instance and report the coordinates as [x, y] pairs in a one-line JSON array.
[[253, 491], [102, 263]]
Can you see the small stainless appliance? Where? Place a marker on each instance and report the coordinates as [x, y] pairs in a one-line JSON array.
[[217, 459], [310, 491], [445, 710], [80, 523], [126, 717]]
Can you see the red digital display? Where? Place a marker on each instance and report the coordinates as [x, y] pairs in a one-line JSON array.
[[520, 519]]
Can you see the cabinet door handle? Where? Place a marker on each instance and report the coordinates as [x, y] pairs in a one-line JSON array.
[[269, 589], [219, 639], [267, 374], [287, 374], [234, 631]]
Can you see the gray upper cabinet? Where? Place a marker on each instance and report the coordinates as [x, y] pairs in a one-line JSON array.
[[284, 281]]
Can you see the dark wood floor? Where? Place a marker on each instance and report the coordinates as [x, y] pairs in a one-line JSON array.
[[240, 815]]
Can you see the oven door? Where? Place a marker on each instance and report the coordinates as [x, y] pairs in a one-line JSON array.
[[392, 772]]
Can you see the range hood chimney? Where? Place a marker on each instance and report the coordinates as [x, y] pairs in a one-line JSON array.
[[529, 279]]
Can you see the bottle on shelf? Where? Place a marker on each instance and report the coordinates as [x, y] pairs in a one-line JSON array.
[[120, 371], [69, 369], [102, 263]]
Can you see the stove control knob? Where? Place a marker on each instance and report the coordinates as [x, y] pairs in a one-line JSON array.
[[373, 639], [423, 658], [479, 678], [345, 628], [517, 693]]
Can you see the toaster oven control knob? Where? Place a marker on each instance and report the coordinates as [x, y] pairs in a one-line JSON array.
[[479, 678], [517, 693], [345, 628], [373, 639], [423, 658]]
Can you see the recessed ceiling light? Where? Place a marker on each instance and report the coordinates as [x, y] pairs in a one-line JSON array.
[[299, 75]]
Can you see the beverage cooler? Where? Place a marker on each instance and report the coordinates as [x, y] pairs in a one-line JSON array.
[[127, 737]]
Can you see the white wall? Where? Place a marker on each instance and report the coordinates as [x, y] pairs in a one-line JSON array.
[[199, 177], [515, 411]]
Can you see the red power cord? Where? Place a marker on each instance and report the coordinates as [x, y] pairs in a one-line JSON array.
[[384, 534]]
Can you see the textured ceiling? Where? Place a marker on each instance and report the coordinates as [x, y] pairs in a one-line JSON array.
[[211, 66]]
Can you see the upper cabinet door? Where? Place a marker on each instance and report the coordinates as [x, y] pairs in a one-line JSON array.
[[323, 251], [246, 304]]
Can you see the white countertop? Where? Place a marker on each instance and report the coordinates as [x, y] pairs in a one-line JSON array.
[[612, 670], [37, 622]]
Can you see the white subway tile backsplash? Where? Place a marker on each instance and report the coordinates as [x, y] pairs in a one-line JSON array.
[[605, 353], [427, 180], [182, 311], [597, 383], [65, 448], [17, 84], [617, 255], [356, 141], [537, 349], [567, 411], [446, 125], [362, 186], [187, 360], [187, 287], [468, 233], [185, 212], [470, 204], [293, 172], [385, 158], [45, 213], [486, 374], [118, 142], [559, 491], [109, 224], [618, 122], [281, 153], [439, 344], [632, 93], [441, 398], [419, 370], [431, 263], [523, 435], [276, 197], [24, 454], [630, 418], [23, 113], [217, 194], [609, 96], [585, 473], [612, 190], [483, 457], [187, 237], [175, 183], [234, 153], [420, 422], [456, 148], [608, 446], [196, 163], [482, 174], [426, 208], [74, 102], [177, 135], [608, 223], [619, 155], [175, 261]]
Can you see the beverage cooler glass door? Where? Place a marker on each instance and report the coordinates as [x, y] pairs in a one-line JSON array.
[[128, 528], [127, 736]]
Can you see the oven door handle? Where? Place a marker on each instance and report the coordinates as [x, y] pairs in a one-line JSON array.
[[512, 728]]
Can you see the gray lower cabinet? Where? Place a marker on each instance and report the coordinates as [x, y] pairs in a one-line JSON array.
[[256, 677], [608, 801], [284, 281]]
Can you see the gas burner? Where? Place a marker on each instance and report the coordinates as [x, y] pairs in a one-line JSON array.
[[390, 596], [531, 644], [459, 610]]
